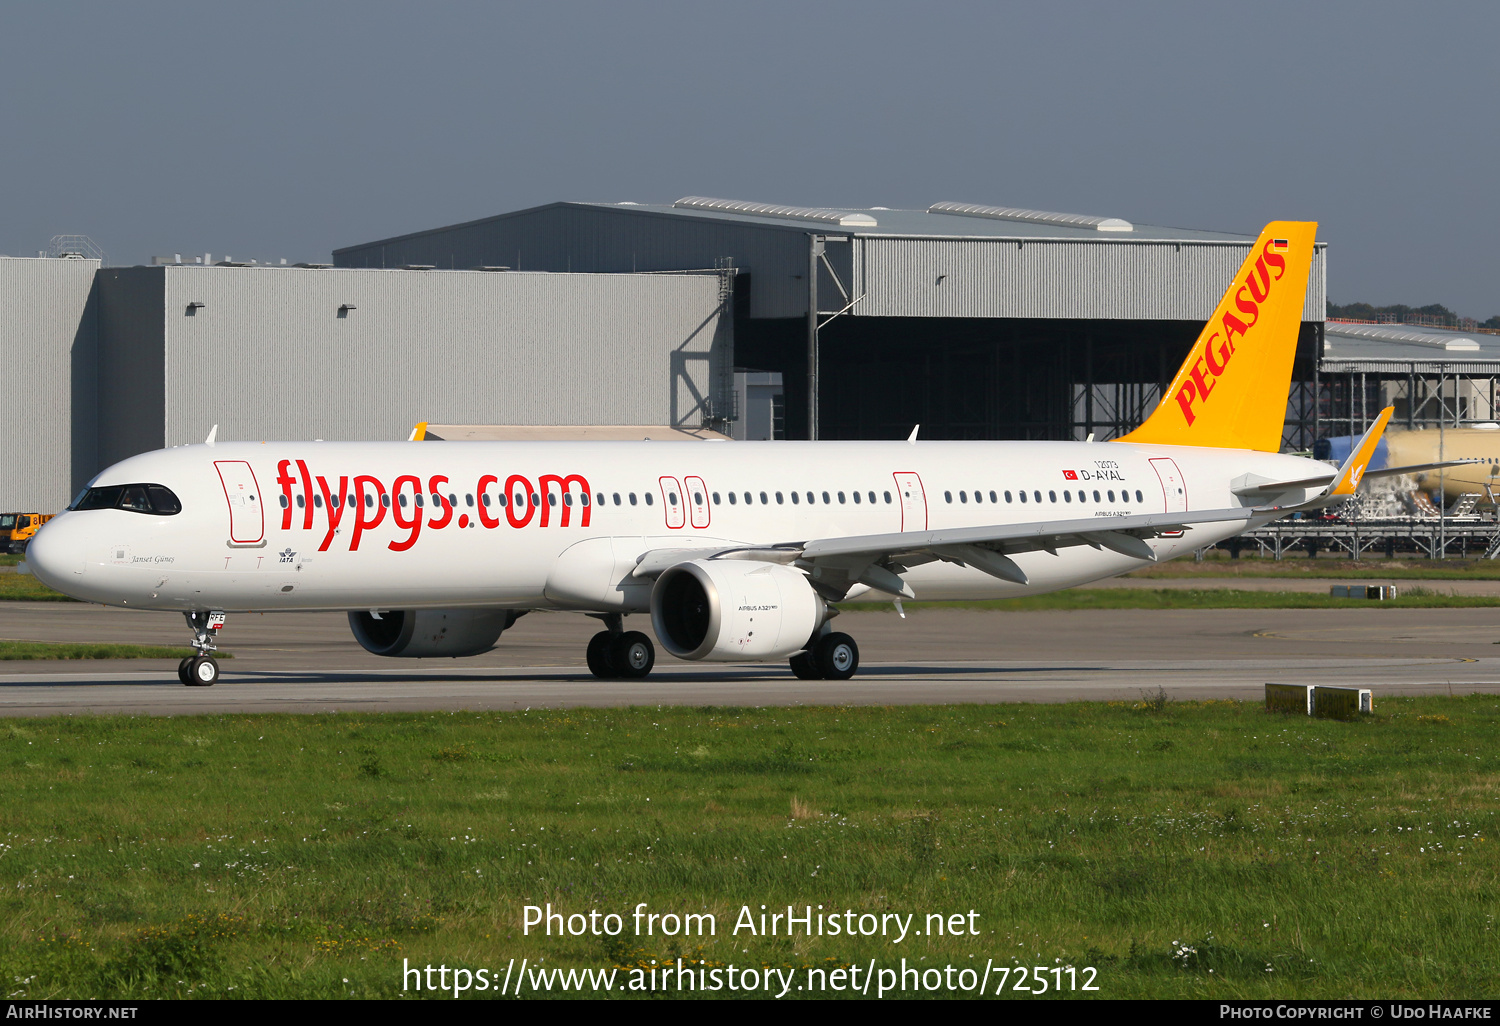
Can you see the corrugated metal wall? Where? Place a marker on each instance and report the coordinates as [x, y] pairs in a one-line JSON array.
[[1089, 280], [591, 239], [47, 337], [269, 357]]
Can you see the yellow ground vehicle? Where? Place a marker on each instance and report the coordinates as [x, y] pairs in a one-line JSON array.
[[16, 529]]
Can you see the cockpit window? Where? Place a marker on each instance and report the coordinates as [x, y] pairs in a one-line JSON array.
[[155, 499]]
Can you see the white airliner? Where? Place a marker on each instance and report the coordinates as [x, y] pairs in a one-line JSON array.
[[738, 551]]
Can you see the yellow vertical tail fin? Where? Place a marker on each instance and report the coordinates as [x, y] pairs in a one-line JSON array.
[[1231, 392]]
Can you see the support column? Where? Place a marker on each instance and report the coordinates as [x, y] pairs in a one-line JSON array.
[[814, 250]]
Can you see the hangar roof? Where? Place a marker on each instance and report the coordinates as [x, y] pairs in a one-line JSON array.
[[958, 221], [1378, 347]]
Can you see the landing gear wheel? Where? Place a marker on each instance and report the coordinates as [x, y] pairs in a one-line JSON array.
[[182, 671], [838, 656], [600, 664], [805, 667], [203, 672], [632, 654]]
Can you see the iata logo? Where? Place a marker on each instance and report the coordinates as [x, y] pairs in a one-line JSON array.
[[1219, 347]]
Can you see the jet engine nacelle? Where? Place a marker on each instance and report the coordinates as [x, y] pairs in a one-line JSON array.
[[415, 633], [726, 610]]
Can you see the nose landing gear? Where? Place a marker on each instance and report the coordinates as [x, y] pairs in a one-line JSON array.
[[201, 670]]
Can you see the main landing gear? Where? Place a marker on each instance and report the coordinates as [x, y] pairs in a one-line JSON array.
[[834, 656], [617, 652], [201, 670]]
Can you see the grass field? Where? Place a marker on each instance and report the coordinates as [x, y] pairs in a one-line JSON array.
[[1404, 568], [1180, 849], [13, 650], [25, 588], [1410, 597]]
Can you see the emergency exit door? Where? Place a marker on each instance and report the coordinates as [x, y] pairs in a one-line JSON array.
[[913, 499]]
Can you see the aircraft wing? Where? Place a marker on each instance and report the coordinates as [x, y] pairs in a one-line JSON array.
[[835, 565]]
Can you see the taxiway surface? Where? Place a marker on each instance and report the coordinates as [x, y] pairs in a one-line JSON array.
[[286, 662]]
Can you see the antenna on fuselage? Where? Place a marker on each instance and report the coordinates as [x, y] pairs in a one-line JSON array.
[[209, 441], [911, 439]]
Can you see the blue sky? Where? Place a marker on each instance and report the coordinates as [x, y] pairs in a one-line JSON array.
[[272, 130]]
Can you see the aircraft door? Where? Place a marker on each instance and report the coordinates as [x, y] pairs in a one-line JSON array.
[[696, 500], [913, 499], [246, 521], [672, 503], [1173, 487]]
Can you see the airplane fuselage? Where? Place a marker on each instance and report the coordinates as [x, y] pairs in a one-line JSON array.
[[561, 525]]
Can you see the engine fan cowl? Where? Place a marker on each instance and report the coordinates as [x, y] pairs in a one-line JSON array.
[[729, 610], [419, 633]]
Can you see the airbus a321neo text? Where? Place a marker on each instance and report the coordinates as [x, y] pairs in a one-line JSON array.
[[738, 551]]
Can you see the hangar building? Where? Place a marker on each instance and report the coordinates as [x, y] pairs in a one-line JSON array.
[[975, 321], [107, 363]]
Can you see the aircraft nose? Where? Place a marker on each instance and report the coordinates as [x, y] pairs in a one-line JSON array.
[[56, 554]]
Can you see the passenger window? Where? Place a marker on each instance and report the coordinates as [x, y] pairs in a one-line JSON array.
[[978, 495], [716, 497], [698, 498], [632, 498], [993, 499], [650, 500], [318, 501], [795, 498], [1023, 496], [282, 500], [887, 498], [1138, 497], [616, 497], [856, 498], [825, 499], [385, 500], [567, 499], [1067, 496], [552, 498], [584, 498], [963, 497], [1037, 496], [1111, 495], [484, 497], [732, 498], [750, 500], [419, 499], [370, 501], [672, 498], [1052, 496], [437, 500], [841, 498], [811, 498], [779, 499], [503, 499], [301, 502], [1007, 496], [763, 500], [453, 499], [947, 496], [401, 499], [1096, 495], [599, 499], [469, 500]]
